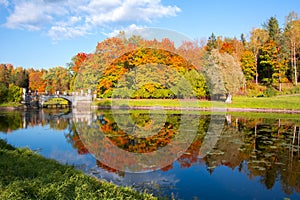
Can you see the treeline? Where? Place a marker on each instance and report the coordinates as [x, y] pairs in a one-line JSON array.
[[263, 64], [13, 80], [270, 59]]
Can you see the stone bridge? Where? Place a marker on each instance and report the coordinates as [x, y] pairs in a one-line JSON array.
[[76, 99]]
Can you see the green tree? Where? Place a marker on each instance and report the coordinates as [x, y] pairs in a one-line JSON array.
[[267, 61], [14, 93], [211, 43], [273, 30], [243, 39], [198, 83], [3, 92]]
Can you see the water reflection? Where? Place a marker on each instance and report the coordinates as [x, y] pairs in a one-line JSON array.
[[264, 149], [14, 120]]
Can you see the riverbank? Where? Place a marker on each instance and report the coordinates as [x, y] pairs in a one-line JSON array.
[[279, 104], [27, 175], [11, 106]]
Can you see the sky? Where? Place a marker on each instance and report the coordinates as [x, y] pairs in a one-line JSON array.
[[48, 33]]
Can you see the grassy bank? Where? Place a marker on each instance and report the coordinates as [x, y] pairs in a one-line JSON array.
[[26, 175], [279, 102], [10, 104]]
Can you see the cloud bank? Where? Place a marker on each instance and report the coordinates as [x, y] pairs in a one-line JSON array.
[[63, 19]]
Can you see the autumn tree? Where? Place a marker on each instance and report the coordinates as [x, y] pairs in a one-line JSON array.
[[11, 82], [292, 35], [151, 71], [36, 80], [257, 40], [57, 79], [21, 77], [92, 67], [191, 51], [75, 68], [267, 61], [248, 64], [5, 74], [273, 56], [227, 47]]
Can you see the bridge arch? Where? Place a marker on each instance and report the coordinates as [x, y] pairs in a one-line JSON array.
[[45, 98]]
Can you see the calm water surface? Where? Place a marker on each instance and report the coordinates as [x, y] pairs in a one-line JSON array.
[[172, 154]]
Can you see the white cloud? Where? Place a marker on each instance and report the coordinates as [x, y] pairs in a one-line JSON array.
[[129, 29], [67, 32], [4, 3], [71, 18]]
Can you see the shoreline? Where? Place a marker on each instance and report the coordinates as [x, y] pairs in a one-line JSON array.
[[225, 109], [258, 110], [12, 108], [39, 177]]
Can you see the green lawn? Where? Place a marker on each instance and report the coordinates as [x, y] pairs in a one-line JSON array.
[[279, 102], [27, 175]]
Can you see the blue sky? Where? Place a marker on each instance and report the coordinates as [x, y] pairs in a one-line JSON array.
[[48, 33]]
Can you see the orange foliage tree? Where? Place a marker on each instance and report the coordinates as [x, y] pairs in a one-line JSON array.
[[36, 81]]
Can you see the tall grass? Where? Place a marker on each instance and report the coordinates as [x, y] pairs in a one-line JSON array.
[[26, 175]]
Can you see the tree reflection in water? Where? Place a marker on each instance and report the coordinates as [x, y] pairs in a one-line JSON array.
[[263, 148]]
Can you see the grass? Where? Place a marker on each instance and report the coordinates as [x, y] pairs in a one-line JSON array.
[[279, 102], [10, 104], [55, 101], [27, 175]]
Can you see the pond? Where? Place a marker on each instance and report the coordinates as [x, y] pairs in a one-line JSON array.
[[175, 154]]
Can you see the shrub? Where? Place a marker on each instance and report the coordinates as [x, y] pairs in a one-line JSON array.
[[255, 90], [270, 92]]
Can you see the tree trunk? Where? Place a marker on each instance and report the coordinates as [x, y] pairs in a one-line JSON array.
[[256, 70], [229, 98], [280, 85], [295, 63]]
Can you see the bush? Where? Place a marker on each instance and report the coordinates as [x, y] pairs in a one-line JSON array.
[[255, 90], [270, 92]]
